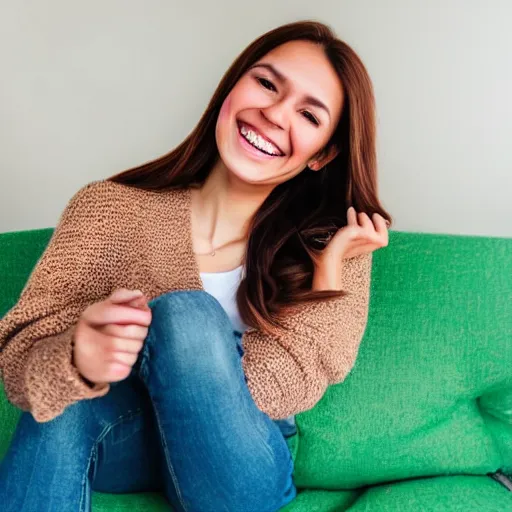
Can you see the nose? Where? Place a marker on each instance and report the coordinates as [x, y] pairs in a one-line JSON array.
[[277, 114]]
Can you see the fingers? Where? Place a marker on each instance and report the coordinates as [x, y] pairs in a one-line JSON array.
[[381, 228], [380, 223], [369, 230], [352, 216], [122, 307], [102, 313], [123, 358], [362, 218], [374, 229], [365, 221], [128, 332], [140, 302], [113, 343], [359, 219], [132, 298]]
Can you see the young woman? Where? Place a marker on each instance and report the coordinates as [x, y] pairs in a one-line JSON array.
[[185, 310]]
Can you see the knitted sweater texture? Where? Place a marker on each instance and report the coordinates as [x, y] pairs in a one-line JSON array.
[[111, 236]]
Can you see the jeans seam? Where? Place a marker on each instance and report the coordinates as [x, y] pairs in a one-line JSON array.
[[94, 451], [169, 463], [143, 372]]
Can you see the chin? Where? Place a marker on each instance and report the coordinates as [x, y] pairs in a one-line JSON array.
[[249, 175]]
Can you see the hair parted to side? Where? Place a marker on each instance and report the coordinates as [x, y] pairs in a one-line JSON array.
[[300, 211]]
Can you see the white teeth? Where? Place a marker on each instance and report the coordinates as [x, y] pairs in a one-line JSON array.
[[258, 141]]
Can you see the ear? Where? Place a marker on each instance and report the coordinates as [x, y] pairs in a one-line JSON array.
[[324, 157]]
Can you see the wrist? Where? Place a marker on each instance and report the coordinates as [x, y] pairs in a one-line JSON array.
[[327, 279]]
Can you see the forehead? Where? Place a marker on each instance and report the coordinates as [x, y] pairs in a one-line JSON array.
[[307, 68]]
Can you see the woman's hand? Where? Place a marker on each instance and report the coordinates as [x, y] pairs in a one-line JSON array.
[[109, 336], [359, 236]]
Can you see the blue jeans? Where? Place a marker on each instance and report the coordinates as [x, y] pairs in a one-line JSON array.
[[183, 423]]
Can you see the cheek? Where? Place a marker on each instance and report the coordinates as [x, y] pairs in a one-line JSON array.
[[246, 95], [225, 109], [305, 144], [223, 125], [307, 141]]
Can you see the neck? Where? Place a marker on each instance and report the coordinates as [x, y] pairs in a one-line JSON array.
[[225, 205]]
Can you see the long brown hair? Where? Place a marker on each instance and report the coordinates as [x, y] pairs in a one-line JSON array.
[[301, 212]]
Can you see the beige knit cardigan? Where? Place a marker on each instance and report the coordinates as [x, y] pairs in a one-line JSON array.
[[110, 236]]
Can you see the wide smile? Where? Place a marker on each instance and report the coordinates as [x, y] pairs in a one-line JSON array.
[[258, 141]]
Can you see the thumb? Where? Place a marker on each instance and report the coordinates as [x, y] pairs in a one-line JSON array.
[[122, 295], [139, 302]]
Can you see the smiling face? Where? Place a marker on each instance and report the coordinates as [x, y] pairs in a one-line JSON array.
[[280, 115]]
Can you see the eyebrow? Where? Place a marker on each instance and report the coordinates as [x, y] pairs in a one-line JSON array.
[[311, 100]]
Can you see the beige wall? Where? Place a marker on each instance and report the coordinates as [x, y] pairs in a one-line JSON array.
[[88, 89]]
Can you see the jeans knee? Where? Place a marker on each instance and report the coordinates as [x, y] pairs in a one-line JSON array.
[[193, 310], [190, 315], [189, 330]]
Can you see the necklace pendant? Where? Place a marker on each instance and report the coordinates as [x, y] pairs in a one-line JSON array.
[[212, 253]]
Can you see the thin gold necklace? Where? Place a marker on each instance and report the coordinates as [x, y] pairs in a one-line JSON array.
[[215, 249]]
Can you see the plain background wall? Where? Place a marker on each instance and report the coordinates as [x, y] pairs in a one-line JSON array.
[[91, 88]]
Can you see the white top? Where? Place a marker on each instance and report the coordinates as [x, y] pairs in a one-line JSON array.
[[223, 286]]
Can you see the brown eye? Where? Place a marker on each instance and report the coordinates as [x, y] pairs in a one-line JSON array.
[[310, 117], [267, 84]]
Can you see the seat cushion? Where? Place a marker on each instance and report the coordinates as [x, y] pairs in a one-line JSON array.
[[446, 494], [139, 502]]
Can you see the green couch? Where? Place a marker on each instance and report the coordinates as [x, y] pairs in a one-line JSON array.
[[425, 414]]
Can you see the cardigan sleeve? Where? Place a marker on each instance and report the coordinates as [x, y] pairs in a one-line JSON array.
[[36, 334], [289, 372]]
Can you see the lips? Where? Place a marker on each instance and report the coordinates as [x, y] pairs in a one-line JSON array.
[[250, 127]]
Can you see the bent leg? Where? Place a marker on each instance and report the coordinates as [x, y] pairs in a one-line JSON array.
[[222, 453], [51, 466]]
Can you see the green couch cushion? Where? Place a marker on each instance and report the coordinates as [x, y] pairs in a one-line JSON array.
[[447, 494], [439, 337], [8, 418], [133, 502], [19, 252], [453, 494], [441, 494]]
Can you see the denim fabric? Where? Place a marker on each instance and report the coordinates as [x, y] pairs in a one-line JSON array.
[[183, 422], [287, 425]]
